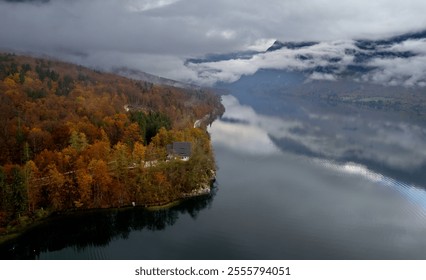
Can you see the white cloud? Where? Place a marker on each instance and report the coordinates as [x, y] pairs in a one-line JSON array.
[[145, 5], [399, 71], [415, 46], [291, 59], [321, 76], [261, 45]]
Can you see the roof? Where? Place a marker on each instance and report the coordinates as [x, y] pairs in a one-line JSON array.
[[182, 149]]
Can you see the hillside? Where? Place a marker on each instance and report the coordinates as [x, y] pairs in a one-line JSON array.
[[74, 138]]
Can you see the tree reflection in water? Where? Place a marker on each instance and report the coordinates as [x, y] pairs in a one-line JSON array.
[[97, 227]]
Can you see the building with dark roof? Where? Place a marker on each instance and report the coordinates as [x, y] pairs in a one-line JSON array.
[[180, 150]]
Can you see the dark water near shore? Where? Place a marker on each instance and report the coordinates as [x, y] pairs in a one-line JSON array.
[[296, 180]]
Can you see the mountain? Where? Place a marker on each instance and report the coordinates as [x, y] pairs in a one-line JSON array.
[[146, 77], [398, 60], [277, 45], [375, 44], [221, 57]]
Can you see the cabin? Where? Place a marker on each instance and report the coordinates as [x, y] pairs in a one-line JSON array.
[[179, 150]]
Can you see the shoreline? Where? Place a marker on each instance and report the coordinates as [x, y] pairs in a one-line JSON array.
[[21, 229]]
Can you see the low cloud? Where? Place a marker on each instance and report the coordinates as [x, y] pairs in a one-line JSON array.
[[108, 32], [321, 76], [324, 55], [406, 71], [391, 64]]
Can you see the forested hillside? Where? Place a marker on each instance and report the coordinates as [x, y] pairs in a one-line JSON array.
[[75, 138]]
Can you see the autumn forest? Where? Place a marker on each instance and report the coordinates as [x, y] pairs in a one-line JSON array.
[[74, 138]]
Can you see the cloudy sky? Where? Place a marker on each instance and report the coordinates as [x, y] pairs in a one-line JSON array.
[[158, 36]]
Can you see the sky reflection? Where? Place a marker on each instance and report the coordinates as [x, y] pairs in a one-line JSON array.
[[342, 137], [344, 144]]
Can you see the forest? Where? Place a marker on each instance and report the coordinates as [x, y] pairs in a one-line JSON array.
[[75, 138]]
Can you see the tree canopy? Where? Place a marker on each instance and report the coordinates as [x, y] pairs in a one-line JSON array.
[[73, 138]]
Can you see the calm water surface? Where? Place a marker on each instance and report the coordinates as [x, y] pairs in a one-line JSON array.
[[295, 181]]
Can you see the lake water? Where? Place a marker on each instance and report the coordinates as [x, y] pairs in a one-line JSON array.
[[296, 180]]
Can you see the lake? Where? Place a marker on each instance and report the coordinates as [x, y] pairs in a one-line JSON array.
[[296, 179]]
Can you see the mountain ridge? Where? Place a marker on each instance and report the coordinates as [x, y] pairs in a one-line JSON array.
[[150, 78], [396, 60]]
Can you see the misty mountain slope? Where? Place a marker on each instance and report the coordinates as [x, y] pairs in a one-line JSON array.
[[395, 61], [156, 80]]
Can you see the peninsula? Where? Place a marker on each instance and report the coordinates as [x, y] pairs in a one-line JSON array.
[[74, 138]]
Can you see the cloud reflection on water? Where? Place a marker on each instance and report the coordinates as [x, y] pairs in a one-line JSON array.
[[333, 136], [354, 144]]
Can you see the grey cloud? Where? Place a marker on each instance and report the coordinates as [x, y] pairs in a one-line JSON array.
[[324, 55], [26, 1], [190, 28], [390, 63]]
